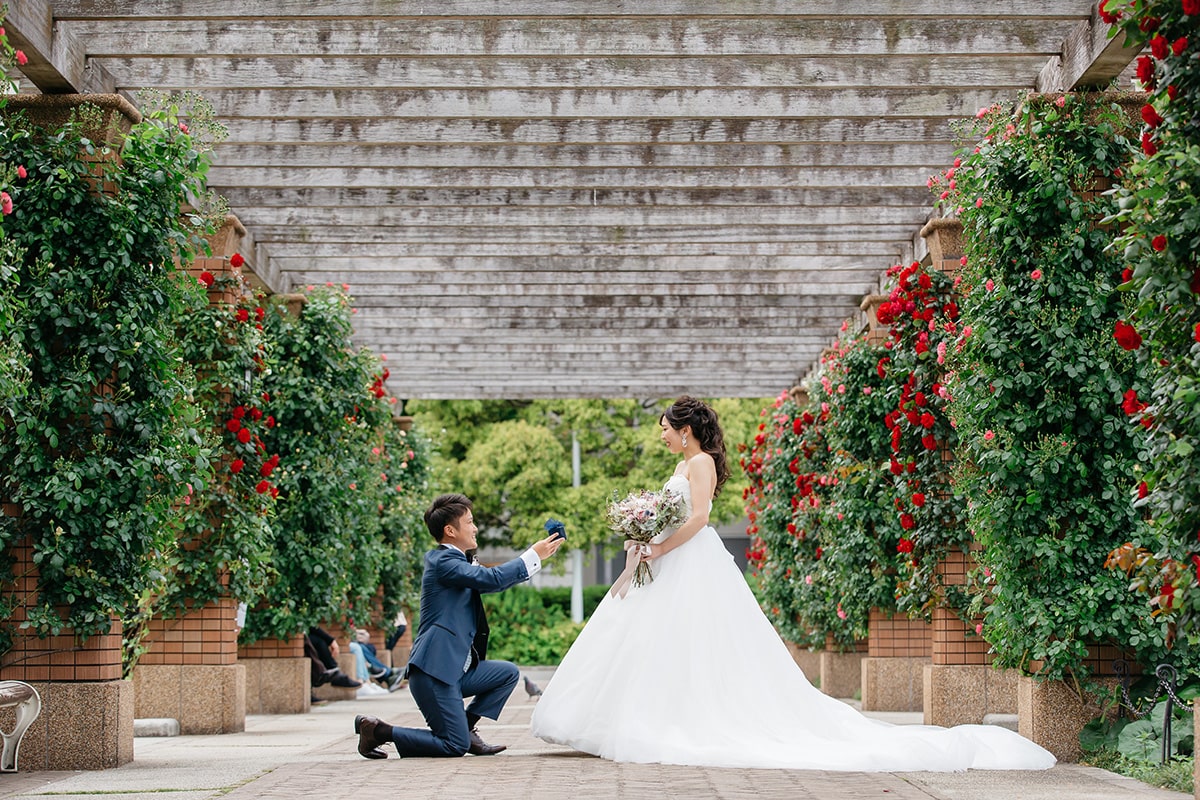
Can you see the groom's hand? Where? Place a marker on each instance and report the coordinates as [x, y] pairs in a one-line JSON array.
[[548, 546]]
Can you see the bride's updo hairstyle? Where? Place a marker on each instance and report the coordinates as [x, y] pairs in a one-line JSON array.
[[707, 430]]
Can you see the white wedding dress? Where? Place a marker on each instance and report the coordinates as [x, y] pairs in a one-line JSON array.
[[688, 670]]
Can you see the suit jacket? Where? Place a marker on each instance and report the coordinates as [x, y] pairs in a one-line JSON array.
[[453, 625]]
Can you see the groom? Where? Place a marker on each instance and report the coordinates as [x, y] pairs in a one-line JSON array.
[[449, 657]]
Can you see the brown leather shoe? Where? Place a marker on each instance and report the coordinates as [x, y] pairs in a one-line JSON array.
[[368, 745], [481, 748]]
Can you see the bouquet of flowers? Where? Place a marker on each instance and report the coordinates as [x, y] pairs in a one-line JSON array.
[[640, 517]]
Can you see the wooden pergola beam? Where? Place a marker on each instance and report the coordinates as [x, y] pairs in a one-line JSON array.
[[58, 61]]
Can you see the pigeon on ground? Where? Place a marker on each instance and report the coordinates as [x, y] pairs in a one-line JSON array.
[[531, 688]]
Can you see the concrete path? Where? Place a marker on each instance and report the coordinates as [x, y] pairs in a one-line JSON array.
[[313, 755]]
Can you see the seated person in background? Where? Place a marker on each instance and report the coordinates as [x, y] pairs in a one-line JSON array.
[[370, 667], [400, 625], [323, 650]]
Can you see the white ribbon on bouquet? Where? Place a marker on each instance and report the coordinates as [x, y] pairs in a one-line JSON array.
[[634, 554]]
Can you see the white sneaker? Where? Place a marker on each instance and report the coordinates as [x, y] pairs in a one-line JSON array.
[[370, 690]]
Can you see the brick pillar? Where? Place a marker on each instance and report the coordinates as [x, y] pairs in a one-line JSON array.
[[960, 685], [190, 671], [876, 333], [87, 709], [278, 680], [898, 650], [841, 673]]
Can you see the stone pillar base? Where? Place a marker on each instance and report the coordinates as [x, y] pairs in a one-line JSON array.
[[278, 685], [809, 661], [964, 695], [841, 673], [1052, 715], [893, 684], [204, 698], [83, 725]]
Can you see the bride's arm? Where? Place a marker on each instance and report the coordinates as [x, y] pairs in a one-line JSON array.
[[702, 478]]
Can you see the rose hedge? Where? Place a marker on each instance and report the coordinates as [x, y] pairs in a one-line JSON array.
[[1047, 456], [100, 449], [1160, 218]]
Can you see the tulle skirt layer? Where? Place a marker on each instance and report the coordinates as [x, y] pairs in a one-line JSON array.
[[688, 670]]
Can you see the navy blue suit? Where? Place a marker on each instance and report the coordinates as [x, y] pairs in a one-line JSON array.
[[452, 634]]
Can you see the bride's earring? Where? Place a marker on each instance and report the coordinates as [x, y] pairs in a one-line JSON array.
[[684, 440]]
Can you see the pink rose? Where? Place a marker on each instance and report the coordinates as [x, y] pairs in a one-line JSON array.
[[988, 435], [1036, 274]]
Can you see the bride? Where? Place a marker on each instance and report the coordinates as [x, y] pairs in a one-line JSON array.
[[687, 670]]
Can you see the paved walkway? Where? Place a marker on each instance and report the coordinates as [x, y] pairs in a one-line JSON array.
[[313, 755]]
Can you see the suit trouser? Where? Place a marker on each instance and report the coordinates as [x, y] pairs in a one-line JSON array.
[[489, 683]]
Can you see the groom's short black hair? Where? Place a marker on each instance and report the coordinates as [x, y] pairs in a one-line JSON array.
[[447, 509]]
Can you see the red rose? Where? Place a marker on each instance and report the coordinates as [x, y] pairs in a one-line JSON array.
[[1151, 116], [818, 553], [236, 260], [1159, 243], [904, 546], [1196, 332], [274, 492], [797, 426], [1126, 275], [239, 412], [1191, 7], [1143, 490], [1172, 91], [791, 528], [920, 399], [255, 414], [266, 469], [243, 315], [260, 313], [907, 522], [237, 466], [918, 499], [270, 423], [243, 436], [881, 366], [897, 469], [1145, 71], [1149, 24], [927, 420], [266, 398], [207, 279], [1179, 45], [1131, 405], [1159, 46], [233, 425], [263, 487], [1148, 146], [925, 281], [1127, 336]]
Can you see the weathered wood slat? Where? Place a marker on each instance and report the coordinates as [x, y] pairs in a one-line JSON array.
[[619, 196], [205, 72], [869, 175], [587, 156], [457, 130], [369, 256], [598, 103], [249, 9], [297, 236], [551, 36], [435, 281], [610, 292], [517, 268], [617, 216]]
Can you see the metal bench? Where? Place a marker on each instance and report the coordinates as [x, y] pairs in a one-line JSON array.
[[29, 705]]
